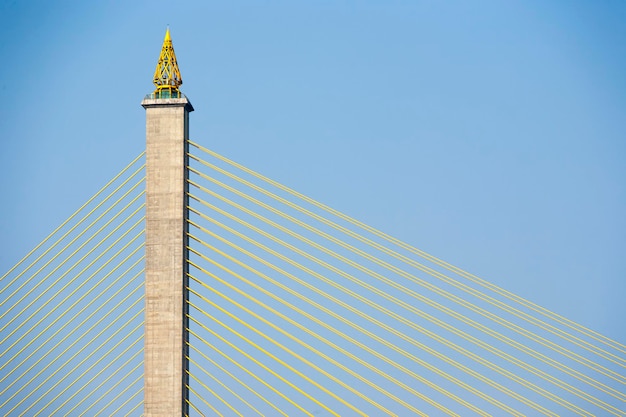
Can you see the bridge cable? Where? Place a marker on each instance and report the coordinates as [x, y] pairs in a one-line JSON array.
[[84, 282], [84, 230], [217, 380], [109, 363], [406, 306], [317, 336], [218, 336], [288, 231], [70, 346], [67, 323], [479, 281], [125, 365], [212, 392], [71, 281], [460, 317], [280, 345], [137, 236], [123, 339], [259, 363], [96, 195], [67, 258], [221, 368], [570, 338], [330, 312]]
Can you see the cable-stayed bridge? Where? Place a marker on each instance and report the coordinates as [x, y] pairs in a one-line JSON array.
[[294, 309], [288, 308]]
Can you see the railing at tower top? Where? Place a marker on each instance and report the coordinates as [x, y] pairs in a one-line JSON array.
[[294, 309]]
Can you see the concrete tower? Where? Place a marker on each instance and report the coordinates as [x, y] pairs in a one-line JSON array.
[[165, 349]]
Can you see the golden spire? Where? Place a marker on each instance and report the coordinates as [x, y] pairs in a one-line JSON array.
[[167, 76]]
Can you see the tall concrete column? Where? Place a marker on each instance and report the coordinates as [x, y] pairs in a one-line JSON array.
[[165, 377]]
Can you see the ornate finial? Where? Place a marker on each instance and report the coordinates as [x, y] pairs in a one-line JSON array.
[[167, 76]]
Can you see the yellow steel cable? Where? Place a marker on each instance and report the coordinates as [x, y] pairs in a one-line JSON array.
[[479, 281], [104, 394], [457, 284], [193, 406], [350, 339], [84, 230], [80, 337], [214, 378], [114, 412], [109, 363], [289, 335], [376, 275], [78, 327], [552, 362], [215, 394], [406, 306], [67, 373], [103, 227], [132, 410], [204, 401], [242, 383], [274, 357], [64, 351], [67, 297], [51, 299], [66, 323], [106, 380], [419, 281], [96, 195], [253, 359], [286, 349], [476, 341], [62, 263], [246, 370]]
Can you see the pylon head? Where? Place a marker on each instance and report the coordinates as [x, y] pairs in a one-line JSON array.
[[167, 77]]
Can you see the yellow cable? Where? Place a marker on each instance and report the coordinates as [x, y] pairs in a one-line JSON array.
[[252, 374], [132, 410], [56, 269], [253, 359], [193, 406], [204, 401], [66, 323], [286, 349], [242, 383], [62, 353], [114, 412], [391, 283], [66, 222], [348, 338], [68, 297], [464, 287], [214, 378], [528, 304], [411, 308], [259, 363], [51, 299], [106, 380], [84, 230], [81, 362], [83, 385], [216, 395], [552, 362], [76, 328]]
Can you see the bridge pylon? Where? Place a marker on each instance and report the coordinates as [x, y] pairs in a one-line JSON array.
[[167, 133]]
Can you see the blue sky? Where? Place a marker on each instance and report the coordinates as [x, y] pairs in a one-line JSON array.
[[491, 135]]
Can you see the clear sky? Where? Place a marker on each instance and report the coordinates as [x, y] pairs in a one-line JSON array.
[[490, 134]]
